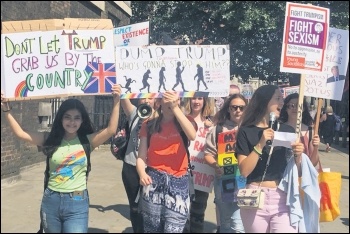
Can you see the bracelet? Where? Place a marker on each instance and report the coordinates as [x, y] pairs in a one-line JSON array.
[[257, 151]]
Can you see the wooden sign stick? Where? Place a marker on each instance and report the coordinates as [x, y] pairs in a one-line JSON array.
[[300, 106]]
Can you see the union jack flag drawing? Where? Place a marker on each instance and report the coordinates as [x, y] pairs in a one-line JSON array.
[[102, 77]]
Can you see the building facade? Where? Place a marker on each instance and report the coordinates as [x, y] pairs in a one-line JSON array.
[[17, 155]]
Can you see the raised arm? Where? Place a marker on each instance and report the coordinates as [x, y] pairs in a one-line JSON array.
[[171, 101], [102, 136], [127, 106], [35, 138]]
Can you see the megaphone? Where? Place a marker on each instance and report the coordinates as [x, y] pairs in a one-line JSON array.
[[144, 111]]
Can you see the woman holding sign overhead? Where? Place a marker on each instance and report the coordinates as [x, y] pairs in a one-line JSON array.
[[164, 138], [65, 203], [252, 152], [220, 141]]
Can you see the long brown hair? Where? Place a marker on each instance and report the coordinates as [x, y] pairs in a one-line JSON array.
[[257, 107], [224, 112]]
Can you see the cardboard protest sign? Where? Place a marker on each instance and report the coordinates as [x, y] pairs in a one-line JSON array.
[[203, 173], [132, 35], [226, 148], [330, 83], [188, 69], [54, 58], [304, 38]]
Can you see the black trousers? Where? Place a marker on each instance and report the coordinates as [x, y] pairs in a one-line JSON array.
[[197, 211], [131, 181]]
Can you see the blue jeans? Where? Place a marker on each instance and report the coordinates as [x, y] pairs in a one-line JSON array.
[[64, 213], [229, 212]]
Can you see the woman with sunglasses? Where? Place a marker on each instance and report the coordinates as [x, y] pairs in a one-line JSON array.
[[229, 118], [289, 115]]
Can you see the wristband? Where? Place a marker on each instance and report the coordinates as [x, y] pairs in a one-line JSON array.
[[257, 151]]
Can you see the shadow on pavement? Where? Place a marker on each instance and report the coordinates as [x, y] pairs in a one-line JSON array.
[[209, 227], [97, 230], [128, 230], [345, 221], [120, 208]]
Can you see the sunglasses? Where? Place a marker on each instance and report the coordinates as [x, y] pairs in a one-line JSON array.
[[292, 106], [235, 108]]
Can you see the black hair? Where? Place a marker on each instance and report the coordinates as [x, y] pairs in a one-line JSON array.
[[57, 131], [306, 117], [257, 107]]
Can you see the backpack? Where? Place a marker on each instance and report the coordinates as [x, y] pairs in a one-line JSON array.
[[87, 148], [338, 124], [119, 142]]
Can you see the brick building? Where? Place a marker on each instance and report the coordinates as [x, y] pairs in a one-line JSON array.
[[17, 155]]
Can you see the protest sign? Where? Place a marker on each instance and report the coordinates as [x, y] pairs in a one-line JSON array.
[[132, 35], [304, 38], [226, 148], [247, 91], [330, 83], [55, 58], [190, 70], [203, 173], [289, 90]]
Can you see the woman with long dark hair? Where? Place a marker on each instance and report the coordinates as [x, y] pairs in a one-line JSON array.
[[289, 115], [252, 152], [228, 118], [65, 203]]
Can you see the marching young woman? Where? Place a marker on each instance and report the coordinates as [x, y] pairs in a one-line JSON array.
[[165, 197], [130, 177], [201, 109], [252, 152], [228, 118], [65, 203]]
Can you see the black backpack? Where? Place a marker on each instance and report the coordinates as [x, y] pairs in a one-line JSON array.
[[119, 142], [87, 148]]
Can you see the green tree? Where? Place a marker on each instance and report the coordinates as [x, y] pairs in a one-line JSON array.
[[252, 29]]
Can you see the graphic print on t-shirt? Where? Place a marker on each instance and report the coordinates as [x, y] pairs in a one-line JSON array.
[[64, 171]]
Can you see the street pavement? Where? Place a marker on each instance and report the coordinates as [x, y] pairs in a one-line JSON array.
[[109, 211]]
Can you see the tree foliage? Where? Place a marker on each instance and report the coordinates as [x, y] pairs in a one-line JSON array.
[[252, 29]]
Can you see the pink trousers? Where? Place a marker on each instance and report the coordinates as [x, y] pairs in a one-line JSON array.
[[272, 218]]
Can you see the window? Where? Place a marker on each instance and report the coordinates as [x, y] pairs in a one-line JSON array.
[[115, 20]]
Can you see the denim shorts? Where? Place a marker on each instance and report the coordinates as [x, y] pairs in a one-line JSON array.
[[65, 212]]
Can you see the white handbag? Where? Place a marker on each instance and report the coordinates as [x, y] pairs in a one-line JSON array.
[[250, 198], [253, 198]]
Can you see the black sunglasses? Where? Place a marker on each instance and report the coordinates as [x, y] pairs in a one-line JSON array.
[[235, 108], [292, 106]]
